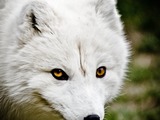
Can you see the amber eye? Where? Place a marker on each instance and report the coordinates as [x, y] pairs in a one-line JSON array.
[[59, 74], [101, 71]]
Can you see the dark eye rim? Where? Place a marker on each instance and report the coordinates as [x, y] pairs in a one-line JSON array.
[[64, 76], [104, 71]]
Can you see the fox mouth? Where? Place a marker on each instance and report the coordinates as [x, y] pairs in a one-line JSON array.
[[45, 105]]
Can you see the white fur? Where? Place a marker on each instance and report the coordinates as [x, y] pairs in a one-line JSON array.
[[77, 36]]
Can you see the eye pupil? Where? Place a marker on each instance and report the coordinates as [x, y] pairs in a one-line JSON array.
[[58, 73], [101, 71]]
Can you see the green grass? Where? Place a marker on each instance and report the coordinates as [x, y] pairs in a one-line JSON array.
[[149, 44]]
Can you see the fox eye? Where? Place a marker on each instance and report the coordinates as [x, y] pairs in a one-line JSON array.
[[59, 74], [101, 71]]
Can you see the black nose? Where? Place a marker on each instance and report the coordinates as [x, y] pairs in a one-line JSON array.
[[92, 117]]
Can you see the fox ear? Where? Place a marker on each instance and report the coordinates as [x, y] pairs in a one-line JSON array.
[[32, 16], [37, 15], [107, 9], [35, 18]]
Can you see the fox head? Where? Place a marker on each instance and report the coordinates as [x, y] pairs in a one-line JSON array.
[[69, 56]]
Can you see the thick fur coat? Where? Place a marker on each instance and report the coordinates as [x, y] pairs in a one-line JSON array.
[[76, 36]]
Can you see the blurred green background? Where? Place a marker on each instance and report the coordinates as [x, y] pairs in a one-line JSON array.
[[140, 98]]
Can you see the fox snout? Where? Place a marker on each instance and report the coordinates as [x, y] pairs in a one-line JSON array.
[[92, 117]]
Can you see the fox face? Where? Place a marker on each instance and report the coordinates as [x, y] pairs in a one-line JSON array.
[[67, 59]]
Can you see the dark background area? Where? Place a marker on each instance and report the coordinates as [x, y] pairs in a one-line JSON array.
[[140, 98]]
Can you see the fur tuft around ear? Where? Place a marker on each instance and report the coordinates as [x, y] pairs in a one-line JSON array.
[[107, 9], [31, 16], [35, 18]]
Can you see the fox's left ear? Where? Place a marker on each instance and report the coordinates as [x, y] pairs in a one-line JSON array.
[[107, 9]]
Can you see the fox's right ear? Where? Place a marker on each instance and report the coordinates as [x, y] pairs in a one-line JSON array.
[[107, 10], [35, 18]]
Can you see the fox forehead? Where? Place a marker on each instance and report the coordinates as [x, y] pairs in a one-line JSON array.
[[71, 52]]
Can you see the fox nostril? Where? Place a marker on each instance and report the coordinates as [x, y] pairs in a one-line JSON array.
[[92, 117]]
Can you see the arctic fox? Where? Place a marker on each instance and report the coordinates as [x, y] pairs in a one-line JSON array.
[[60, 59]]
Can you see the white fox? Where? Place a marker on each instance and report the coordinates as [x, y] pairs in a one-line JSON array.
[[60, 59]]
